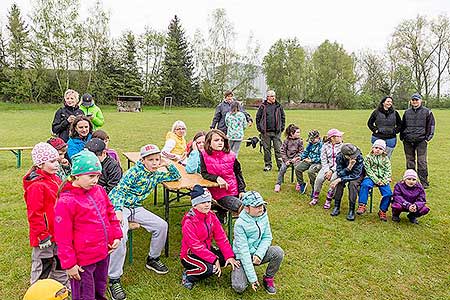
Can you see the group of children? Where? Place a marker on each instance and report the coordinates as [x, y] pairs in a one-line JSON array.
[[343, 164]]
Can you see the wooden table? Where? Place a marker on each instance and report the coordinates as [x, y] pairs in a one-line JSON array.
[[17, 151], [180, 188]]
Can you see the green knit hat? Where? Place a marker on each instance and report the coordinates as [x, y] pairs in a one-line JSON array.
[[85, 162]]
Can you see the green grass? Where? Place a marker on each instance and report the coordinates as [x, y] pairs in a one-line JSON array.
[[326, 258]]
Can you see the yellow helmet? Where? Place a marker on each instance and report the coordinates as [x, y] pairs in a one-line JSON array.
[[46, 289]]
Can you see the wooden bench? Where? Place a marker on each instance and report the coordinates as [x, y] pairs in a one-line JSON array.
[[17, 151]]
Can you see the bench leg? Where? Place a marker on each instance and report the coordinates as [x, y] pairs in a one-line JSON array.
[[130, 246], [370, 200], [155, 196], [18, 155], [230, 227], [166, 215]]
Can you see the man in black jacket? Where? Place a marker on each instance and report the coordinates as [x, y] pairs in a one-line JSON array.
[[417, 131], [270, 121]]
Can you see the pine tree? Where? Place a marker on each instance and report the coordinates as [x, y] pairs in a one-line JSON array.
[[132, 82], [177, 76]]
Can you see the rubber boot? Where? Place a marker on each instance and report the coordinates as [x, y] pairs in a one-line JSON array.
[[337, 208], [351, 212]]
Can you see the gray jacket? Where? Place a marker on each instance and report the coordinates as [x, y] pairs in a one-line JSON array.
[[221, 111]]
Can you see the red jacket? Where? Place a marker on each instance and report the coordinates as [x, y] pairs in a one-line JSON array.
[[198, 230], [40, 196], [86, 225]]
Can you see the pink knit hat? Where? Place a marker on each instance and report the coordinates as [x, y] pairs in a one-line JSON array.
[[334, 132], [42, 153], [410, 173]]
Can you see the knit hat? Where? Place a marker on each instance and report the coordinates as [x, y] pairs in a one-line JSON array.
[[350, 150], [95, 145], [334, 132], [199, 195], [271, 93], [252, 198], [87, 100], [57, 143], [43, 152], [380, 143], [85, 162], [46, 289], [313, 134], [416, 96], [149, 149], [410, 173]]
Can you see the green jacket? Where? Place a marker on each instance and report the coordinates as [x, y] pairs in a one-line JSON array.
[[97, 116], [378, 168]]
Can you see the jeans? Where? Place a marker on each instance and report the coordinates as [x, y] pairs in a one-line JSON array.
[[282, 172], [235, 146], [420, 149], [267, 140], [385, 191], [390, 144]]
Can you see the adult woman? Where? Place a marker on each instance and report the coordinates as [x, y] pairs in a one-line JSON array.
[[65, 116], [193, 153], [175, 146], [80, 134], [385, 123]]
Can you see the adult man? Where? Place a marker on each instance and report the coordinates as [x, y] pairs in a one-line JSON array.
[[221, 111], [417, 130], [270, 121]]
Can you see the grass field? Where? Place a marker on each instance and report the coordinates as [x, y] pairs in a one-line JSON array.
[[326, 258]]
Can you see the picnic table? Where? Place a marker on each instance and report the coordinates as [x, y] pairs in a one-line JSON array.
[[17, 151], [181, 188]]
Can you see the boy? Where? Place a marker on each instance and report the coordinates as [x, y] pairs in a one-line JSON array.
[[310, 162], [127, 198], [92, 111], [252, 239], [111, 171], [64, 164]]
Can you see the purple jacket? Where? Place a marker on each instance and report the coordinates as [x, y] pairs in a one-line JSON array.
[[405, 195]]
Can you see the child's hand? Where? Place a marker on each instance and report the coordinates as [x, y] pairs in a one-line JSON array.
[[412, 208], [307, 159], [235, 264], [64, 162], [334, 183], [71, 118], [255, 285], [163, 163], [351, 163], [113, 246], [74, 272], [256, 260], [222, 183], [119, 216], [216, 269], [380, 183]]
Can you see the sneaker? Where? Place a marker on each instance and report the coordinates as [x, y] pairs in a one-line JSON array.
[[314, 201], [277, 188], [327, 204], [361, 209], [269, 285], [412, 219], [297, 187], [396, 219], [382, 216], [116, 290], [156, 265], [267, 169], [303, 187], [185, 282]]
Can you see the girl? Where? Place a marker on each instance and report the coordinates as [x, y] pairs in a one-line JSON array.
[[236, 123], [409, 196], [64, 164], [41, 186], [65, 116], [220, 165], [80, 134], [175, 146], [310, 161], [100, 134], [193, 153], [378, 172], [291, 149], [199, 227], [330, 149], [87, 229]]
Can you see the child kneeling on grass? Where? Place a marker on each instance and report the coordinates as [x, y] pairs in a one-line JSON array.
[[409, 196], [252, 246], [199, 227]]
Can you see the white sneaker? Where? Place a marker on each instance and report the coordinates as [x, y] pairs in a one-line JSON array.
[[277, 188]]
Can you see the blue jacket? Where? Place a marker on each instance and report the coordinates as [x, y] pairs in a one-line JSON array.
[[75, 145], [193, 162], [252, 236], [345, 174], [313, 151]]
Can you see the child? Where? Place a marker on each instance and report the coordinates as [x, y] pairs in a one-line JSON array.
[[236, 122], [252, 239], [41, 186], [175, 146], [378, 172], [291, 149], [92, 111], [111, 171], [220, 165], [349, 169], [100, 134], [65, 116], [193, 153], [328, 154], [64, 164], [80, 134], [199, 227], [409, 196], [87, 229], [310, 161], [127, 197]]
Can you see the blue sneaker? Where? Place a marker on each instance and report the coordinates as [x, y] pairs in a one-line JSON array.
[[303, 187], [185, 282]]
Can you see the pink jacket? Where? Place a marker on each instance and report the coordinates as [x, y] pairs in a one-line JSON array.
[[198, 230], [85, 224], [222, 164]]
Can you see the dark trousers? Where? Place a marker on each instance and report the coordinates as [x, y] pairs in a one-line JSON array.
[[353, 190], [198, 269], [92, 285], [419, 149], [267, 140]]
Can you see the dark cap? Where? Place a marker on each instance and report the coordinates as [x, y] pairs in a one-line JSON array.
[[87, 100], [95, 145], [350, 150], [416, 96]]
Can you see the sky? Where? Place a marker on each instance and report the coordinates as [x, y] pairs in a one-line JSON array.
[[356, 24]]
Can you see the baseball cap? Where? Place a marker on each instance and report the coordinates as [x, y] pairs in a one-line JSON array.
[[149, 149]]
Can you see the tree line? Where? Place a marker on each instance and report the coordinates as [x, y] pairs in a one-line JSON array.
[[56, 49]]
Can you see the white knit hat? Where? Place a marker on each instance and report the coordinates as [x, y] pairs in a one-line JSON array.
[[380, 143], [42, 153]]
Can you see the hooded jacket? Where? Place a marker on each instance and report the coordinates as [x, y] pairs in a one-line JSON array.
[[252, 236], [198, 231], [221, 111], [60, 125], [111, 174], [263, 117], [328, 156], [313, 152], [97, 116], [378, 168], [76, 144], [405, 195], [291, 148], [344, 173], [86, 225], [40, 189]]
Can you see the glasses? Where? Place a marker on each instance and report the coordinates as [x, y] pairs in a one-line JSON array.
[[180, 128]]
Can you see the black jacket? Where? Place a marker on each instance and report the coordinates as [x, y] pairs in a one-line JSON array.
[[417, 125], [111, 174], [60, 125], [277, 118], [385, 124]]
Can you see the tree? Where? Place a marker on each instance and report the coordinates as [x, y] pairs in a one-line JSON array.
[[284, 66], [131, 84], [440, 31]]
